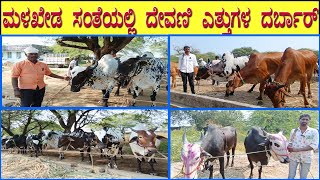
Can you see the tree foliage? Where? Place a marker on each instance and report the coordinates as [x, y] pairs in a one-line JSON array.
[[98, 45], [129, 120], [243, 51], [275, 121], [23, 122]]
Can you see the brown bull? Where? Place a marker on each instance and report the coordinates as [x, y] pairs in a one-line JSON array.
[[258, 70], [295, 65]]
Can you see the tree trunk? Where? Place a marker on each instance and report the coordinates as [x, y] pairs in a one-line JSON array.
[[7, 130], [25, 129], [110, 43]]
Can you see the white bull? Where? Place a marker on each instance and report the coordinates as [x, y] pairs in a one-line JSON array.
[[144, 72]]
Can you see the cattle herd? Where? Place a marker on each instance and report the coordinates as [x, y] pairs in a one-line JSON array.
[[109, 142], [216, 142], [275, 71]]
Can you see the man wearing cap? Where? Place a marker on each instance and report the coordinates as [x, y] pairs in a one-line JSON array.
[[28, 79], [187, 63], [303, 141], [72, 64], [202, 62]]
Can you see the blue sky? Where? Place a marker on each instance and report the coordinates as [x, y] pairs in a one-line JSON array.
[[221, 44]]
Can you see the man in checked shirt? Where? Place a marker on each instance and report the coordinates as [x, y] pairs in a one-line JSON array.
[[303, 141]]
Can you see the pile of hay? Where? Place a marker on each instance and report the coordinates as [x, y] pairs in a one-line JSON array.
[[24, 166]]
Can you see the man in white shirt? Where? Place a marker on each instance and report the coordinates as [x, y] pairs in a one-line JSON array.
[[303, 141], [72, 64], [202, 62], [187, 63]]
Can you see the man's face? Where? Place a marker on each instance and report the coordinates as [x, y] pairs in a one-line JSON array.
[[187, 50], [32, 56], [304, 121]]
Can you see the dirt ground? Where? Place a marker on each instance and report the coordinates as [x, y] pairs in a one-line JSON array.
[[241, 169], [59, 94], [241, 95], [49, 166]]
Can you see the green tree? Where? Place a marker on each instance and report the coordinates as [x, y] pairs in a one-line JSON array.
[[98, 45], [275, 121], [23, 122], [243, 51]]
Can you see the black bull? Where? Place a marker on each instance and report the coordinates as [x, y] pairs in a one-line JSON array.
[[218, 141], [77, 143], [255, 141]]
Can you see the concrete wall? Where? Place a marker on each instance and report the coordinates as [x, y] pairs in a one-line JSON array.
[[194, 100]]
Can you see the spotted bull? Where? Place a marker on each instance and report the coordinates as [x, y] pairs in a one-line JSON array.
[[110, 142], [143, 72], [260, 146], [145, 143]]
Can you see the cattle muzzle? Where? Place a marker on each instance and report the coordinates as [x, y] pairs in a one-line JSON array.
[[75, 88], [229, 93]]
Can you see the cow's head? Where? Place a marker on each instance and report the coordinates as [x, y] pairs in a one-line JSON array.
[[202, 73], [276, 93], [234, 81], [278, 147], [81, 75], [147, 139], [9, 143], [193, 157]]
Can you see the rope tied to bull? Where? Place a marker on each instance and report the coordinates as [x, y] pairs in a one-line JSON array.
[[240, 77], [55, 95], [195, 169]]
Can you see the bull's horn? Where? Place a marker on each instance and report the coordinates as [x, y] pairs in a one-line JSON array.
[[184, 137], [154, 129], [285, 92], [94, 65]]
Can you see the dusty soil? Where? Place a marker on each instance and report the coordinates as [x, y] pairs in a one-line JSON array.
[[241, 169], [241, 95], [49, 166], [59, 94]]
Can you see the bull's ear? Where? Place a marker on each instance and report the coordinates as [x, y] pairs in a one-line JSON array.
[[238, 68], [135, 138], [161, 137]]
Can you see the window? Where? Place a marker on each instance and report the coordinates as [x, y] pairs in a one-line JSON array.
[[18, 55], [9, 55]]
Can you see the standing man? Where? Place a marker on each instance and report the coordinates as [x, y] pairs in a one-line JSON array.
[[72, 64], [202, 63], [303, 141], [187, 63], [27, 78]]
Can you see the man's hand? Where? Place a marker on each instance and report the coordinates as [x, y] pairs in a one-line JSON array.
[[17, 93]]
